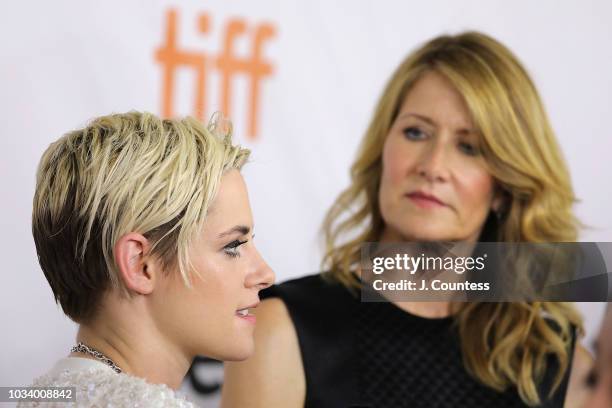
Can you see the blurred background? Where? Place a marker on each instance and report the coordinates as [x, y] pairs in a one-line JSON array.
[[299, 81]]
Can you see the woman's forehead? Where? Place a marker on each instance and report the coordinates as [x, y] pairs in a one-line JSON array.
[[434, 99], [231, 204]]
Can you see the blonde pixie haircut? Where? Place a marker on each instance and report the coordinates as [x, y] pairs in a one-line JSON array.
[[503, 344], [131, 172]]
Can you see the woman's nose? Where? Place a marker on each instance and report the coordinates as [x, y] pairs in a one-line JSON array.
[[433, 165], [262, 275]]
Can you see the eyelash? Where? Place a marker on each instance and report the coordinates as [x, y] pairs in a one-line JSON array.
[[411, 129], [473, 150], [591, 379], [470, 151], [231, 249]]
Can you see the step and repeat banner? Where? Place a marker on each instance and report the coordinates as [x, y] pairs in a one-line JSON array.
[[298, 79]]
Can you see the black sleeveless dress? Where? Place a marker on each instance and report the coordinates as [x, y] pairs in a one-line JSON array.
[[376, 355]]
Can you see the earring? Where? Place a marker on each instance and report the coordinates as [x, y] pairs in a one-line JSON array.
[[497, 215]]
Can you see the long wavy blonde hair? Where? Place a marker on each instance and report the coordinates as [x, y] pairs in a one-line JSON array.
[[503, 344]]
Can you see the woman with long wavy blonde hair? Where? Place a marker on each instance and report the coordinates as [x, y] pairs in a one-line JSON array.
[[459, 149]]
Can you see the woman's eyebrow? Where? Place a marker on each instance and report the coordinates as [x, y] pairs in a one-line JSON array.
[[242, 229], [464, 130], [416, 115]]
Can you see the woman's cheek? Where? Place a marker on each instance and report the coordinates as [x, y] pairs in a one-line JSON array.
[[396, 160], [476, 188]]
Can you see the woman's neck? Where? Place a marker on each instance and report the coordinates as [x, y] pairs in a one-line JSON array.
[[137, 349], [429, 310], [432, 310]]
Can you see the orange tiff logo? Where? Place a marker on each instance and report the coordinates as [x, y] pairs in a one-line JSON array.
[[171, 57]]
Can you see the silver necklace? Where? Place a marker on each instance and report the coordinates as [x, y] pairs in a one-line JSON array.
[[82, 348]]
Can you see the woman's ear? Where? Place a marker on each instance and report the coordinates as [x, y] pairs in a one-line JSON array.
[[135, 267], [500, 201]]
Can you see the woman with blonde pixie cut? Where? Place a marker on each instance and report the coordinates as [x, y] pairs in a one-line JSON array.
[[459, 150], [143, 230]]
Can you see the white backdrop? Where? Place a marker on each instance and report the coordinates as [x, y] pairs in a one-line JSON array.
[[322, 65]]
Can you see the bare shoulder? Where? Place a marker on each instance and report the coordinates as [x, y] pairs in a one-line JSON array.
[[577, 390], [274, 325], [273, 376]]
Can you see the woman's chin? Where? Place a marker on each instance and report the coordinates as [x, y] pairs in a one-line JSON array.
[[235, 352], [426, 234]]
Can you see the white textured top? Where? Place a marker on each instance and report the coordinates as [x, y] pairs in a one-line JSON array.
[[97, 385]]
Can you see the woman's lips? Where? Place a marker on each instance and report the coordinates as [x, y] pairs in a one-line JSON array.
[[245, 314], [424, 200]]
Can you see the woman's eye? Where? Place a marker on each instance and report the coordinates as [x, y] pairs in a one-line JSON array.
[[591, 378], [414, 133], [231, 249], [468, 149]]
